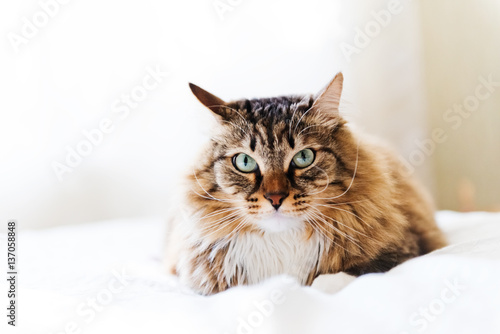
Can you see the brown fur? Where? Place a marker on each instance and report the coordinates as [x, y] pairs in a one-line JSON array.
[[370, 215]]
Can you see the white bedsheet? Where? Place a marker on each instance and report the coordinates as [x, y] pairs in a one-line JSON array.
[[64, 271]]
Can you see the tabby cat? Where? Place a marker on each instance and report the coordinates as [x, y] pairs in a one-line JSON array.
[[286, 186]]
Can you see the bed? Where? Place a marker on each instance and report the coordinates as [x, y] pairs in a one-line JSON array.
[[108, 277]]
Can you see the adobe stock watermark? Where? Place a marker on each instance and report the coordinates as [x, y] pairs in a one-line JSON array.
[[223, 7], [31, 26], [424, 316], [453, 116], [121, 109], [265, 308], [371, 30], [87, 310]]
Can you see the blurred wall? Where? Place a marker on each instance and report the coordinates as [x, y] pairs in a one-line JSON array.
[[462, 71], [427, 79], [382, 45]]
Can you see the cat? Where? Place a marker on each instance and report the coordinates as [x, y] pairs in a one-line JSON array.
[[286, 186]]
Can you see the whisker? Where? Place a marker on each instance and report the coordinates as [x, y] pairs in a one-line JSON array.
[[218, 199], [321, 230], [321, 213], [347, 236], [353, 177], [238, 228], [311, 132], [352, 213], [352, 202], [213, 198], [198, 181], [293, 116], [236, 111], [217, 212], [223, 224], [245, 132], [327, 181], [295, 129], [307, 127], [219, 221], [326, 222]]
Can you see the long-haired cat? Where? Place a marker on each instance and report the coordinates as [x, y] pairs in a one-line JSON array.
[[285, 186]]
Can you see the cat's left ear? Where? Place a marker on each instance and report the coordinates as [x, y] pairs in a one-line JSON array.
[[212, 102], [329, 99]]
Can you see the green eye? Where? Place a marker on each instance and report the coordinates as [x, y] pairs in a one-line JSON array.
[[244, 163], [304, 158]]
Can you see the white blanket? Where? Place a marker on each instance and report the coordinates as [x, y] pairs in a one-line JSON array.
[[107, 277]]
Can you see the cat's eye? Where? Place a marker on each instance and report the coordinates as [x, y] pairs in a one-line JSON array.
[[304, 158], [244, 163]]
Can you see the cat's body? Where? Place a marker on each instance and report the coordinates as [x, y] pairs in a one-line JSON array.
[[286, 187]]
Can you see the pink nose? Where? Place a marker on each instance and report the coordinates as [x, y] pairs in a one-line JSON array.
[[276, 199]]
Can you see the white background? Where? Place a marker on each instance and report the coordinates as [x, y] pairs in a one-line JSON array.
[[66, 78]]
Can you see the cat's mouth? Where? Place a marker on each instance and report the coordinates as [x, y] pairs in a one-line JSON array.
[[279, 222]]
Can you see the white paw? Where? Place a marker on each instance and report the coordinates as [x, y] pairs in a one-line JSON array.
[[332, 283]]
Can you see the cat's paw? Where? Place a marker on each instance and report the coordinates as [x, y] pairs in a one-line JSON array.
[[332, 283]]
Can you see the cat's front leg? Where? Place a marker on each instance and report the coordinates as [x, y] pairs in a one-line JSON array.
[[201, 269]]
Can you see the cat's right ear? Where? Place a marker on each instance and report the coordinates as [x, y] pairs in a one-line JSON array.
[[329, 99], [212, 102]]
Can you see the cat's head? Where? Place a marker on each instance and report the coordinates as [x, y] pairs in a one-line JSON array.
[[272, 161]]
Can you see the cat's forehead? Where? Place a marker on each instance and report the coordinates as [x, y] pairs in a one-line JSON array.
[[269, 110], [269, 121], [268, 127]]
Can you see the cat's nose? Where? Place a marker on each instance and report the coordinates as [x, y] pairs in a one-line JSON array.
[[276, 199]]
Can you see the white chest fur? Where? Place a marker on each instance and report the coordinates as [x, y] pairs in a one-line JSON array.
[[252, 257]]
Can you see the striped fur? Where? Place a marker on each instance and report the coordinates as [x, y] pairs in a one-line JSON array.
[[352, 210]]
